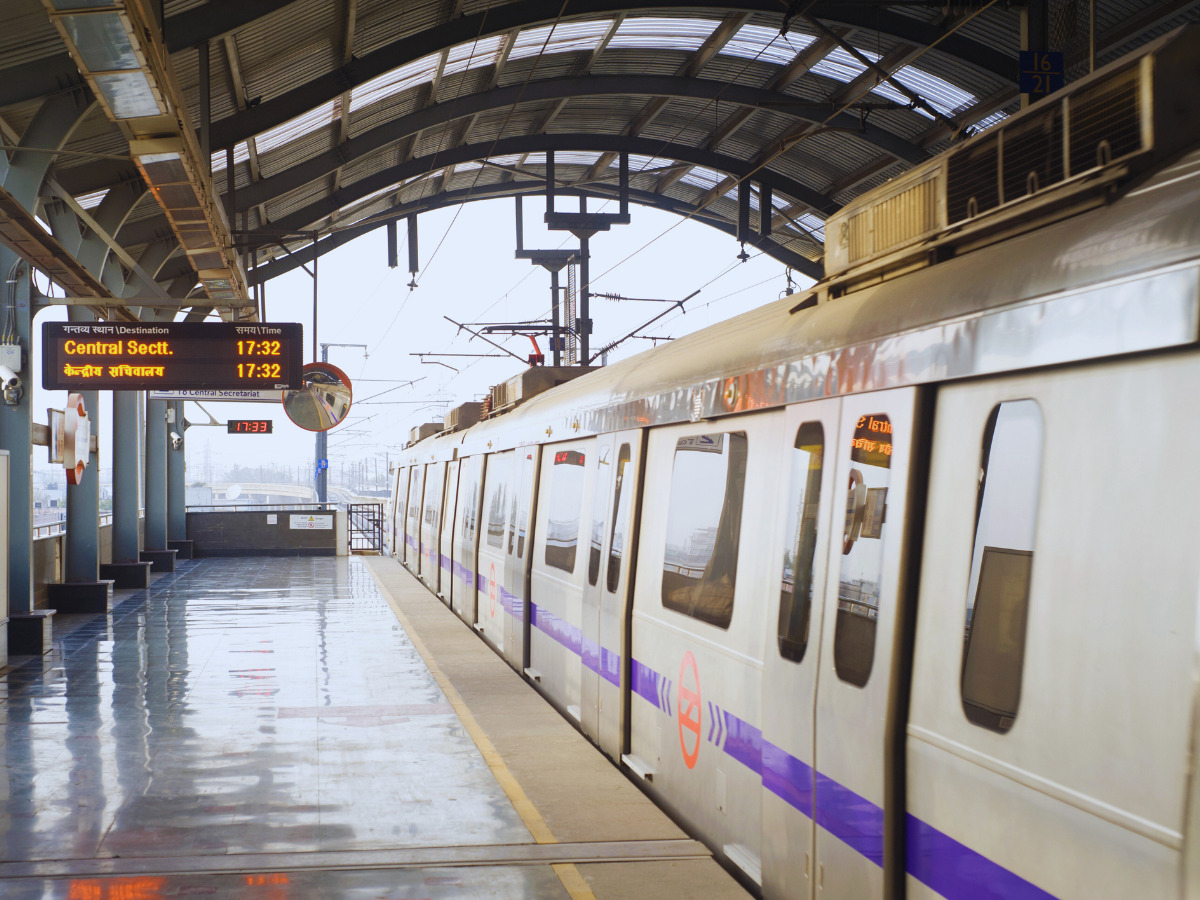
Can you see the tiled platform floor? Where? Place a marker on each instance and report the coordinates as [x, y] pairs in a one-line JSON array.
[[262, 728]]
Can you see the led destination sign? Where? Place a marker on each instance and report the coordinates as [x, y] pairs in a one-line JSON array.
[[180, 356]]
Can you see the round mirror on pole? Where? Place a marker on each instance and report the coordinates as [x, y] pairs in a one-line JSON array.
[[323, 402]]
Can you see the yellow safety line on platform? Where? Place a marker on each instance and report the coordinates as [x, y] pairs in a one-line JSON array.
[[577, 888]]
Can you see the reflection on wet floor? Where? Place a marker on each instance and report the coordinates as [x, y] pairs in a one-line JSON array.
[[245, 706]]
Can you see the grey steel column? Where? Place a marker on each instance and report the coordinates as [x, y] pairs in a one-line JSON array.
[[156, 474], [83, 500], [126, 438], [16, 436], [177, 481]]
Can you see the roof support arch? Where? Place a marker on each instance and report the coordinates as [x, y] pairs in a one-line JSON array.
[[469, 105], [524, 13], [303, 218], [442, 199]]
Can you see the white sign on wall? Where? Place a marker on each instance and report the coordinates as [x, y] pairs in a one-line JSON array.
[[312, 523], [246, 396]]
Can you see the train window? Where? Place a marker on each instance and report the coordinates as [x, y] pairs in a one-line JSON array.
[[416, 490], [795, 587], [498, 468], [566, 502], [704, 525], [468, 502], [1010, 473], [433, 496], [870, 453], [526, 473], [622, 497], [598, 496]]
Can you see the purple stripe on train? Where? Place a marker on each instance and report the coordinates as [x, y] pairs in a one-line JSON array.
[[444, 561], [651, 686], [563, 632], [935, 859], [956, 871]]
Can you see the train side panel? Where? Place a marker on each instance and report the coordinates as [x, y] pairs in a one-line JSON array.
[[466, 525], [1065, 768], [701, 590], [492, 604], [560, 563]]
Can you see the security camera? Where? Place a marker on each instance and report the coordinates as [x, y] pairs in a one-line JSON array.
[[9, 379], [176, 440]]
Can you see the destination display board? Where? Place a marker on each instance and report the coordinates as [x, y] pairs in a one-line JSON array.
[[176, 356]]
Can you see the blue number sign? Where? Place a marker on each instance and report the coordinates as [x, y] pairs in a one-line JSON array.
[[1041, 73]]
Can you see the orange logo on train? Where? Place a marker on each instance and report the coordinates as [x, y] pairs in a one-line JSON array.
[[492, 592], [689, 718]]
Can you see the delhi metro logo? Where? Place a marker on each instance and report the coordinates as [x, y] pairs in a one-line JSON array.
[[689, 717], [492, 593]]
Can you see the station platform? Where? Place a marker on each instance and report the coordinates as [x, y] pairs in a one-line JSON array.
[[309, 727]]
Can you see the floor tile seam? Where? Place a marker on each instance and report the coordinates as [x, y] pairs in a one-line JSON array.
[[567, 874], [427, 856]]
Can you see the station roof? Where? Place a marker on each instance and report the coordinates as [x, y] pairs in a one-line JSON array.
[[343, 114]]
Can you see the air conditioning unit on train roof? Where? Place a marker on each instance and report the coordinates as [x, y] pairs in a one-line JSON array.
[[1062, 155], [533, 381], [463, 416], [420, 432]]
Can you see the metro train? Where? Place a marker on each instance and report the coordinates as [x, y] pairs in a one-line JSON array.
[[889, 588]]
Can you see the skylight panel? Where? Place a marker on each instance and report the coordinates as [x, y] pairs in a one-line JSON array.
[[298, 127], [649, 33], [574, 158], [394, 82], [841, 66], [92, 200], [472, 55], [241, 153], [568, 37], [702, 177], [766, 45]]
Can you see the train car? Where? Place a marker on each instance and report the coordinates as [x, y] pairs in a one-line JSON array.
[[890, 589]]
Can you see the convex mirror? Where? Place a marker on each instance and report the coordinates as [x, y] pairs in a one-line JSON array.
[[323, 402]]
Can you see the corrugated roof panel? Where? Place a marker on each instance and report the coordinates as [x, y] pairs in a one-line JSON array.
[[567, 37], [766, 45], [645, 32], [27, 34]]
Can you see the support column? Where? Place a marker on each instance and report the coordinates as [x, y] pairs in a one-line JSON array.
[[177, 488], [81, 589], [125, 439], [156, 475], [555, 329], [585, 300], [16, 436], [126, 569], [82, 563]]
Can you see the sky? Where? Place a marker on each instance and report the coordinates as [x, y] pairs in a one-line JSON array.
[[468, 272]]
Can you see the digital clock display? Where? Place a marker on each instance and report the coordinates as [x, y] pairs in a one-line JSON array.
[[249, 426], [178, 356]]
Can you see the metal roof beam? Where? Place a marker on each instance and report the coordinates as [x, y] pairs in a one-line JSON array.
[[310, 170], [212, 20], [432, 202], [304, 218], [800, 65], [523, 13]]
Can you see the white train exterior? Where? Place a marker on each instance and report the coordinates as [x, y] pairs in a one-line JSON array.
[[891, 592]]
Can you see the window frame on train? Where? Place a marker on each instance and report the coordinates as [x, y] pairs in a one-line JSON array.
[[568, 473], [800, 547], [995, 671], [623, 490], [734, 450], [870, 446]]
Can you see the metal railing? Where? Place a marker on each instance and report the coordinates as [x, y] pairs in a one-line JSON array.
[[264, 507], [52, 529]]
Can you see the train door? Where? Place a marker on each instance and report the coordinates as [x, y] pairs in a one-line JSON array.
[[593, 588], [701, 594], [434, 476], [793, 640], [517, 556], [616, 570], [399, 511], [446, 539], [559, 572], [462, 599], [412, 533], [863, 609], [497, 497]]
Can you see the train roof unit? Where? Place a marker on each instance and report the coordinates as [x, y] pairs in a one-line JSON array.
[[1063, 155]]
